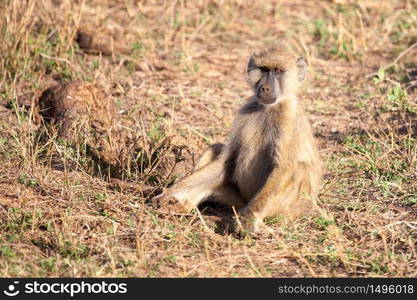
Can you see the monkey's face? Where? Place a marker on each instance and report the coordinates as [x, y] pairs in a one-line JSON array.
[[267, 82], [274, 79], [268, 88]]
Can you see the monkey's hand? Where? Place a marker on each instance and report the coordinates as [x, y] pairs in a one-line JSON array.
[[248, 223], [167, 203]]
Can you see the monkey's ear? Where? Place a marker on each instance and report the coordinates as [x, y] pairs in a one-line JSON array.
[[251, 64], [301, 68]]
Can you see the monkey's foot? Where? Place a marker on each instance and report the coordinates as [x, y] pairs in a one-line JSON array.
[[248, 223], [167, 203]]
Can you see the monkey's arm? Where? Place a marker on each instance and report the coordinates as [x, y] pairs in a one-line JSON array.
[[280, 189], [276, 183]]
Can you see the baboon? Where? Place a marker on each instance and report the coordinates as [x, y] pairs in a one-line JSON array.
[[269, 165]]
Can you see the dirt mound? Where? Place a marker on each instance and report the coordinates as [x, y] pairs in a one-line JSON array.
[[105, 40], [82, 113]]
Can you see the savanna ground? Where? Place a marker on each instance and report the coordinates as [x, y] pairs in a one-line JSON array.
[[175, 70]]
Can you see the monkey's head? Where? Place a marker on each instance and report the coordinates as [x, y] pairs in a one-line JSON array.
[[275, 73]]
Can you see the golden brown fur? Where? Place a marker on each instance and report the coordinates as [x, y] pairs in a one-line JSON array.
[[269, 165], [275, 57]]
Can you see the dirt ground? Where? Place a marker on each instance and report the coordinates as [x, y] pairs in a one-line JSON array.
[[176, 73]]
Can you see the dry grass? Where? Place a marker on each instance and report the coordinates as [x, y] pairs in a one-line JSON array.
[[175, 71]]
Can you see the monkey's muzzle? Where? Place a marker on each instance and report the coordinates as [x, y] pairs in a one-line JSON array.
[[268, 88]]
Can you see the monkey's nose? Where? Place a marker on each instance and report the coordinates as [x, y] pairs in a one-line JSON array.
[[265, 89]]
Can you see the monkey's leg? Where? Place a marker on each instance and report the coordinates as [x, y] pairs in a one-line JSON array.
[[301, 198], [211, 154], [191, 190]]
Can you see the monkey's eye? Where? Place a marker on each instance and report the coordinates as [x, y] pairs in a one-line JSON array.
[[264, 69]]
